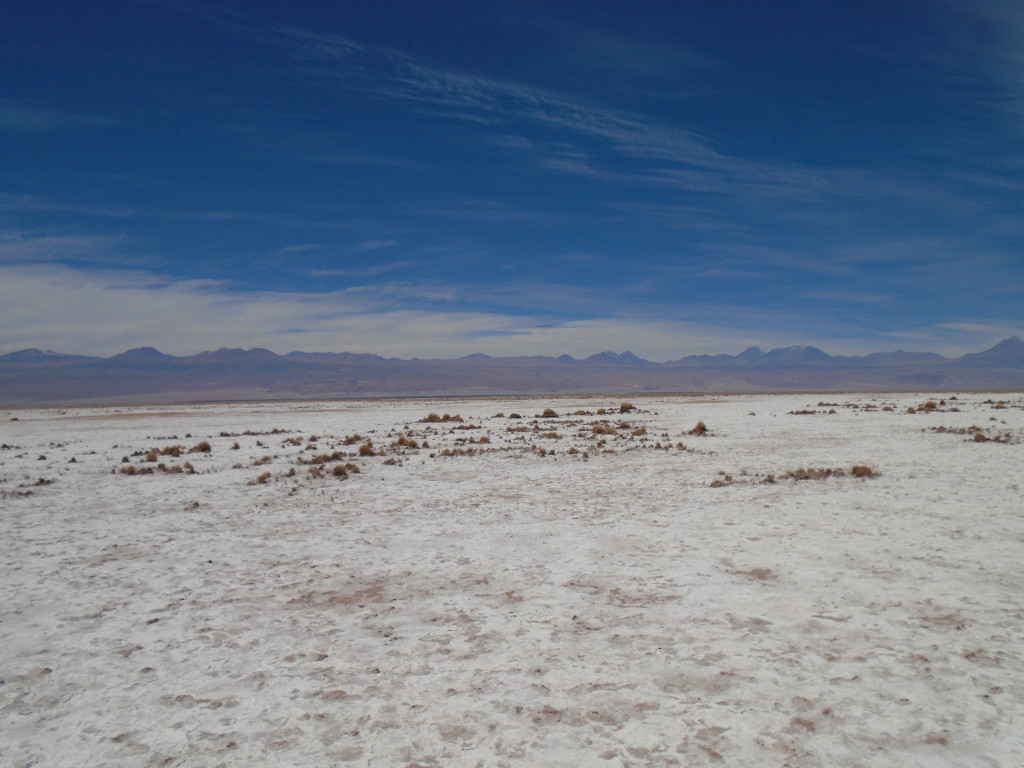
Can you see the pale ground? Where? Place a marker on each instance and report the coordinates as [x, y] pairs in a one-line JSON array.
[[512, 609]]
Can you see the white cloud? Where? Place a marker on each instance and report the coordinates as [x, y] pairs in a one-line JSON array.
[[105, 312]]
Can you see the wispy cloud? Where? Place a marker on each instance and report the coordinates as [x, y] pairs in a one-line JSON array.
[[392, 74], [17, 116], [375, 245], [15, 247]]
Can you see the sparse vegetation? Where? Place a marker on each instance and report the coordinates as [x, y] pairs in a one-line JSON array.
[[433, 418]]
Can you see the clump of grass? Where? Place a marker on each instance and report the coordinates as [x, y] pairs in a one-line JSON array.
[[261, 461], [639, 431], [862, 470], [366, 449], [404, 442], [458, 452], [549, 413], [433, 418], [603, 429], [262, 479], [823, 473], [324, 458], [352, 439], [131, 469], [201, 447], [699, 429], [626, 407], [811, 473]]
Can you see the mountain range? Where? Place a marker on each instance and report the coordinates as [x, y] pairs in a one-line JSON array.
[[144, 374]]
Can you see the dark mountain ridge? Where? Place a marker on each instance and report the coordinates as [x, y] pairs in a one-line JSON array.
[[145, 374]]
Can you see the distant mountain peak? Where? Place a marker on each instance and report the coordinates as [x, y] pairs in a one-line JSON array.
[[142, 353], [1008, 353], [613, 358]]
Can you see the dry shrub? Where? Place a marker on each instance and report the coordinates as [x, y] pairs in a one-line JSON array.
[[339, 472], [172, 450], [822, 473], [366, 449], [639, 431], [151, 455], [458, 452], [514, 416], [862, 470], [549, 413], [261, 461], [202, 447], [626, 407], [700, 429], [261, 479], [324, 458], [404, 442], [811, 473], [603, 429], [433, 418], [352, 439], [551, 435], [131, 469]]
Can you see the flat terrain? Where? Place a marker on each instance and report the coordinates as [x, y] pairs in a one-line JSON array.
[[815, 581]]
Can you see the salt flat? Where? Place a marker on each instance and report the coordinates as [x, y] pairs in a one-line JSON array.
[[581, 589]]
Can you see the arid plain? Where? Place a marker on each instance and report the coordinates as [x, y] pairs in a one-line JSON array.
[[807, 580]]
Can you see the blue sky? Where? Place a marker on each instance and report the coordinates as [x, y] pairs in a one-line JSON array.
[[437, 179]]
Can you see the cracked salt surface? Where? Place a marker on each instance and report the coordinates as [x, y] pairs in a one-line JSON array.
[[610, 603]]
